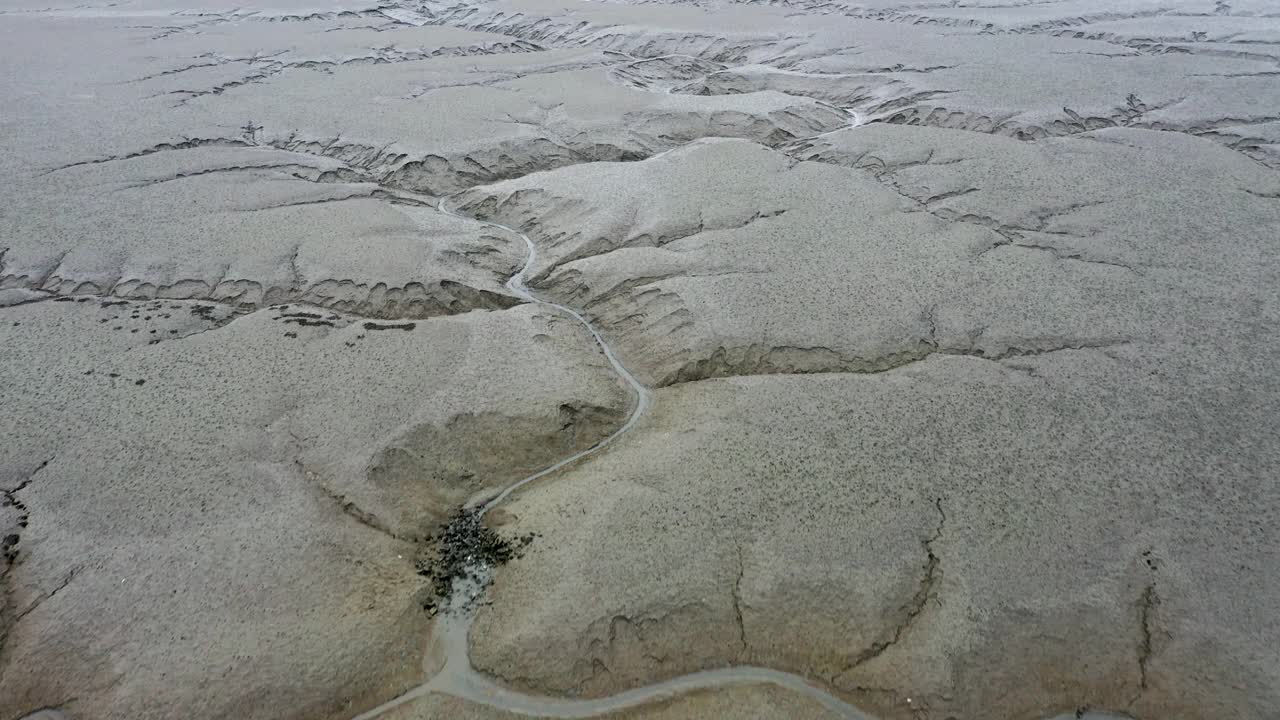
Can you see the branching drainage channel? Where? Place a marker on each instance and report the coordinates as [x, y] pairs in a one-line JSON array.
[[459, 679]]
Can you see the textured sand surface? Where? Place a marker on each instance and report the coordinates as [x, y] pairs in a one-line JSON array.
[[957, 322]]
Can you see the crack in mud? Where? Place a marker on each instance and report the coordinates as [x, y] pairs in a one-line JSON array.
[[9, 498], [1011, 234], [381, 56], [9, 550], [912, 609], [46, 596], [1147, 605], [185, 144], [737, 602]]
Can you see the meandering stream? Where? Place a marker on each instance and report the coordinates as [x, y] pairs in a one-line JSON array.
[[456, 676]]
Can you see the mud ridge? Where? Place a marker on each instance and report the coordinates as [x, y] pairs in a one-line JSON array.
[[917, 14], [412, 300], [756, 359], [439, 175], [1128, 115], [1190, 45], [559, 32], [381, 56]]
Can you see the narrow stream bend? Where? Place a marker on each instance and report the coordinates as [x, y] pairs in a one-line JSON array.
[[517, 285]]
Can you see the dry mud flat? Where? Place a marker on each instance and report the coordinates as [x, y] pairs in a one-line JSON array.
[[957, 323]]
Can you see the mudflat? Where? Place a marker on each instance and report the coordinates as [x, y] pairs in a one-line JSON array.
[[885, 360]]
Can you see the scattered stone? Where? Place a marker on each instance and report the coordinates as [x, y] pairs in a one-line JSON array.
[[464, 548]]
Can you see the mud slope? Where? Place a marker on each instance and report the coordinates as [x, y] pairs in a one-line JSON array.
[[255, 487]]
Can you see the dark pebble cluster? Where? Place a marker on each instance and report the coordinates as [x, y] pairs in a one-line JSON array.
[[464, 546]]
